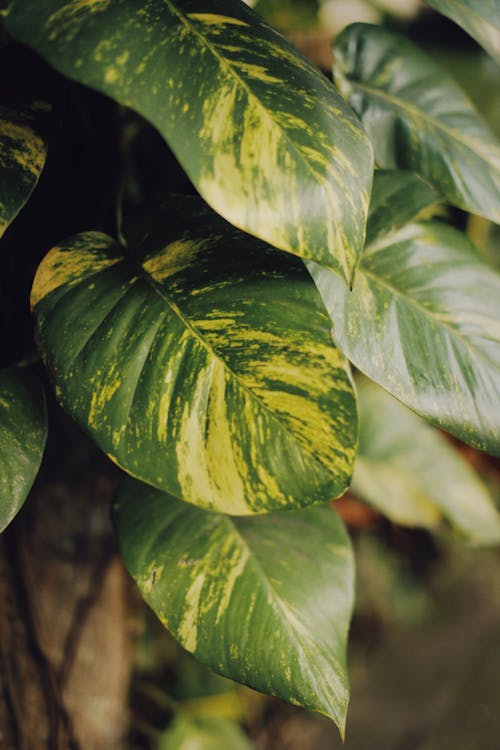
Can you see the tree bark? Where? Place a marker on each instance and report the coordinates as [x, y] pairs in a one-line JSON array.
[[66, 609]]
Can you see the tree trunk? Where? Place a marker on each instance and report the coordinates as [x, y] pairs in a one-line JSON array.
[[66, 608]]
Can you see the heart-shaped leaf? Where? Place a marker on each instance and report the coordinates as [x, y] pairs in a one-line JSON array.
[[418, 118], [23, 148], [480, 18], [203, 366], [264, 600], [422, 320], [263, 135], [23, 432], [204, 733], [413, 474]]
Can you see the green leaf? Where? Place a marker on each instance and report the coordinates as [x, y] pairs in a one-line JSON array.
[[23, 432], [422, 320], [264, 600], [413, 474], [23, 148], [205, 366], [418, 118], [480, 18], [397, 198], [207, 733], [263, 135]]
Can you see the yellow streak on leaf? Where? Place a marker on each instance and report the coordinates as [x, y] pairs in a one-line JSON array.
[[236, 564], [257, 71], [175, 257], [188, 627], [216, 19], [73, 10], [27, 148], [67, 266], [221, 460], [102, 394]]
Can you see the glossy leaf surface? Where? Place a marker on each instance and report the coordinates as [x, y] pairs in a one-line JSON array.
[[397, 198], [410, 472], [23, 148], [208, 733], [263, 600], [480, 18], [422, 320], [205, 366], [23, 432], [264, 136], [418, 118]]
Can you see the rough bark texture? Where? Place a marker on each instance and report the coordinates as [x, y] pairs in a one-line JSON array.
[[66, 619]]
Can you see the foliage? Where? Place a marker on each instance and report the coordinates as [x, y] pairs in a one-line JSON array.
[[206, 348]]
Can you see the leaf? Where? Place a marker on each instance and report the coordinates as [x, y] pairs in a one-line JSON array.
[[397, 198], [208, 733], [263, 135], [480, 18], [23, 432], [264, 600], [413, 474], [423, 321], [23, 148], [205, 367], [418, 118]]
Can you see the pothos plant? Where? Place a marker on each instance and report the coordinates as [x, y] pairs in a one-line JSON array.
[[206, 348]]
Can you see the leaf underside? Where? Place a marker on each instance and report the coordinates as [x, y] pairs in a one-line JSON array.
[[230, 594], [202, 363], [418, 118], [264, 136]]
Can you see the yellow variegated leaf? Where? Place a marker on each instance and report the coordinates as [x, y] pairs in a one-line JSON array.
[[264, 136], [265, 600], [422, 320], [202, 363], [418, 118], [23, 431], [23, 148]]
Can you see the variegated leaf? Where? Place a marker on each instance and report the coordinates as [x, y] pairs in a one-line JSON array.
[[418, 118], [264, 600], [205, 366], [414, 475], [397, 198], [422, 320], [23, 431], [23, 148], [206, 733], [480, 18], [264, 136]]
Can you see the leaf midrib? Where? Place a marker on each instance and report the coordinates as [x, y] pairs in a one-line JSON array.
[[420, 114], [152, 283], [225, 63], [289, 616], [411, 302]]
